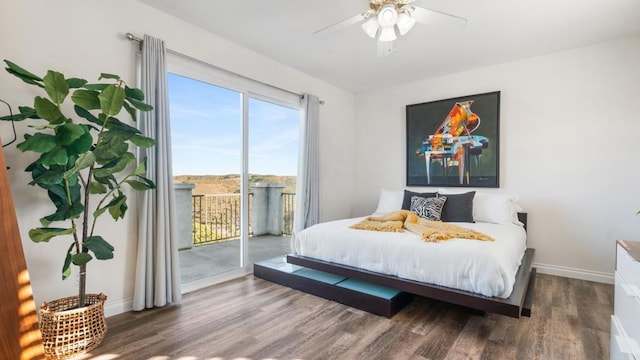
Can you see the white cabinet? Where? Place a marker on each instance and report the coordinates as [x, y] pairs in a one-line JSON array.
[[625, 322]]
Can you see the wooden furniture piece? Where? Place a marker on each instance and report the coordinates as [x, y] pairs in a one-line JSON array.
[[376, 299], [19, 332], [518, 304], [625, 327]]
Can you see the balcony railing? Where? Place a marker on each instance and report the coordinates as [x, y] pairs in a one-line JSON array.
[[217, 217]]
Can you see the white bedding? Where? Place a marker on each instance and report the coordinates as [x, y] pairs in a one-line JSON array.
[[483, 267]]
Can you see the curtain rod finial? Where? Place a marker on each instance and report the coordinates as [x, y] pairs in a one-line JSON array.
[[132, 37]]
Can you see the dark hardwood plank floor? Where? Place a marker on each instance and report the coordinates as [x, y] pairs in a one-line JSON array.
[[249, 318]]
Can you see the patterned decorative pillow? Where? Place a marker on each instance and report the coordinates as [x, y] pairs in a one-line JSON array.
[[428, 208]]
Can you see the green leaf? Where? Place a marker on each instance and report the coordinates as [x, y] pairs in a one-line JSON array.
[[80, 259], [97, 188], [134, 93], [143, 141], [84, 161], [48, 177], [25, 113], [109, 180], [99, 212], [115, 166], [115, 124], [117, 212], [140, 105], [117, 206], [115, 136], [38, 142], [82, 144], [57, 156], [23, 74], [43, 127], [111, 100], [66, 268], [130, 109], [141, 169], [75, 83], [69, 133], [82, 112], [108, 152], [95, 87], [48, 111], [140, 186], [58, 197], [101, 249], [150, 184], [56, 86], [66, 212], [46, 234], [108, 76], [86, 99]]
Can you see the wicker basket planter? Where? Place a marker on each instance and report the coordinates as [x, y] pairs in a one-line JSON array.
[[68, 330]]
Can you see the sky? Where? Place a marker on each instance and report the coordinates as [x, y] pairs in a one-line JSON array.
[[206, 133]]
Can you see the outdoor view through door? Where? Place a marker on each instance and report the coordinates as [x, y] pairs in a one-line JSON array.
[[212, 143]]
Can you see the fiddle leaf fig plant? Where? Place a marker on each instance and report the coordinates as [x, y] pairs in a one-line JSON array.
[[84, 161]]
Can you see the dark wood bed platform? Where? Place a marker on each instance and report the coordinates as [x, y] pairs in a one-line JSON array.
[[518, 304]]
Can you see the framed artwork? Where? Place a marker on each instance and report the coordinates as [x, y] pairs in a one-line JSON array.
[[454, 142]]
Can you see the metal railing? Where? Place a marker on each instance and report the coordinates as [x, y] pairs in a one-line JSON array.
[[288, 207], [217, 217]]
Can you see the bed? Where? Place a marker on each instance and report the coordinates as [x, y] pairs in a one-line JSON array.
[[492, 276]]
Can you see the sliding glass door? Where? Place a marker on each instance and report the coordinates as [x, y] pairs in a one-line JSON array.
[[234, 147]]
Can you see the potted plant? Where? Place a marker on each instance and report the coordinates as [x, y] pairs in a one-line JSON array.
[[84, 162]]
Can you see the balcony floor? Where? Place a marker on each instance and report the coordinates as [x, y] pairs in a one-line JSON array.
[[212, 259]]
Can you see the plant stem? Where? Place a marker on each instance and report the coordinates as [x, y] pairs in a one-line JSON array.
[[82, 284]]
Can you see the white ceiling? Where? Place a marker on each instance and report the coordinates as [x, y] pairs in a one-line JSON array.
[[497, 31]]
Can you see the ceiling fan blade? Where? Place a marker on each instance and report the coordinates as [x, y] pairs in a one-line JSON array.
[[385, 48], [433, 17], [341, 25]]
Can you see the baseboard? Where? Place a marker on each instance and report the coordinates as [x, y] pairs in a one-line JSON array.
[[214, 280], [574, 273], [118, 306], [115, 307]]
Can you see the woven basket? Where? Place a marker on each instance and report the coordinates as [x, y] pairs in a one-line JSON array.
[[68, 330]]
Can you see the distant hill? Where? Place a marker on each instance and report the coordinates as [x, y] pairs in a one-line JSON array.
[[230, 184]]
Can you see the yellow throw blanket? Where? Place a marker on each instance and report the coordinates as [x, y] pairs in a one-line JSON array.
[[430, 231]]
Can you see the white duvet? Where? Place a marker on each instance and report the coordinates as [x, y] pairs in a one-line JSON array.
[[483, 267]]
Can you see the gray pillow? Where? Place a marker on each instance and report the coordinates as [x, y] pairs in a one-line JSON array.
[[458, 208], [406, 201]]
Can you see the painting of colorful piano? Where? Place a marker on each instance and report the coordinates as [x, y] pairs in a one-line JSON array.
[[454, 142]]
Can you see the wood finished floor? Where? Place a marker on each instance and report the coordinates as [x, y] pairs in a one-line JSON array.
[[249, 318]]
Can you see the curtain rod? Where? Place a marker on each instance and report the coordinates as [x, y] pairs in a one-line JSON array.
[[132, 37]]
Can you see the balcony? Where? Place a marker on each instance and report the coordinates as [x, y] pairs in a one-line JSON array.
[[209, 228]]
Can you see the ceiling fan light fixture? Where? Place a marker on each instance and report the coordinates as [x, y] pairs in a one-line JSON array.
[[387, 34], [370, 27], [387, 16], [405, 23]]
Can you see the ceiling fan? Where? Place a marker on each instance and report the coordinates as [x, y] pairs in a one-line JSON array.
[[388, 19]]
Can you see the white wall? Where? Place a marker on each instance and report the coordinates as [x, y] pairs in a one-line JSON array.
[[569, 129], [83, 38]]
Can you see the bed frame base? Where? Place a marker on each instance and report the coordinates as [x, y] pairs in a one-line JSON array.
[[518, 304], [360, 295]]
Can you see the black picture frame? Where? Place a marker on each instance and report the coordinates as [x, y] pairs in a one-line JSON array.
[[448, 147]]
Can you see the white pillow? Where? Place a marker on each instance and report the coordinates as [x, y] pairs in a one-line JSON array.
[[390, 200], [493, 208], [497, 208]]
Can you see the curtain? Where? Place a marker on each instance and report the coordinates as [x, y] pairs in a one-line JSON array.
[[157, 279], [307, 211]]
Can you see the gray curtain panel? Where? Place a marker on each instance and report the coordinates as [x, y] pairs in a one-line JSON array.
[[307, 210], [157, 281]]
